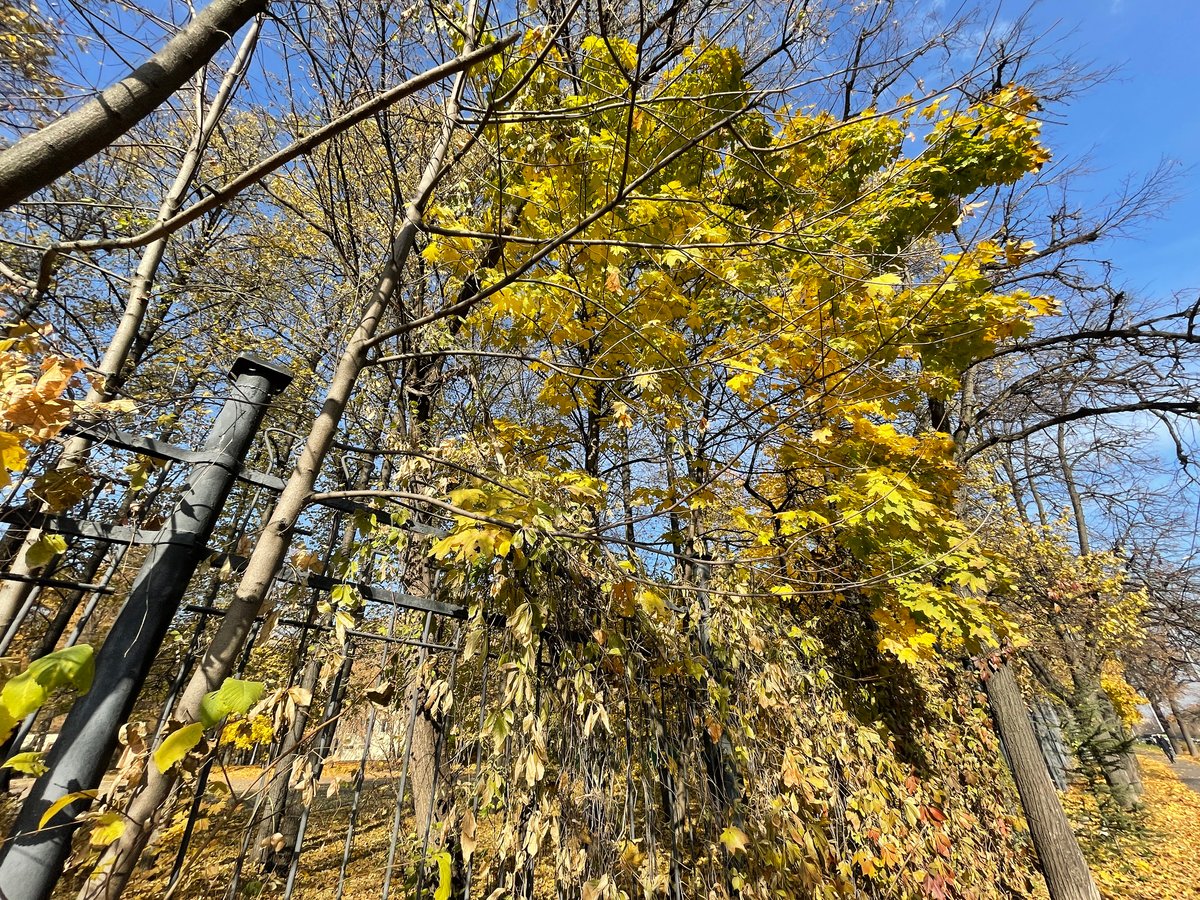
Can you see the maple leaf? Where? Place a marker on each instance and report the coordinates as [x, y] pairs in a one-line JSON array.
[[735, 840]]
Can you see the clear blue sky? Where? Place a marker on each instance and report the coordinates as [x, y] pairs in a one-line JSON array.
[[1147, 112]]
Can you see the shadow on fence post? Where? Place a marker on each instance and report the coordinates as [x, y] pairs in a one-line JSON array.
[[33, 858]]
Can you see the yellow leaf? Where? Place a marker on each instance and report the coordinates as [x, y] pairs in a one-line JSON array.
[[342, 622], [31, 763], [792, 776], [176, 745], [26, 692], [12, 455], [883, 286], [445, 882], [632, 856], [596, 888], [735, 840], [309, 562], [652, 603], [108, 828], [45, 549], [622, 595], [63, 488], [62, 803]]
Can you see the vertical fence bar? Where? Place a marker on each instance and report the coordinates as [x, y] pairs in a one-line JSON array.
[[398, 819], [33, 858], [206, 772]]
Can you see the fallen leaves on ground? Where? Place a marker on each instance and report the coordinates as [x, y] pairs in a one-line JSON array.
[[1159, 859]]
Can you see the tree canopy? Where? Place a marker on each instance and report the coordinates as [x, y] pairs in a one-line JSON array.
[[732, 422]]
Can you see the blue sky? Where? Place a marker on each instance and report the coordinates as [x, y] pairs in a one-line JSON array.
[[1147, 112]]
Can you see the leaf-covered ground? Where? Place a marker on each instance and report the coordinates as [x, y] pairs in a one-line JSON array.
[[1159, 860], [1154, 860]]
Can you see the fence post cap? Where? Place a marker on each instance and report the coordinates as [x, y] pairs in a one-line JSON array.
[[278, 376]]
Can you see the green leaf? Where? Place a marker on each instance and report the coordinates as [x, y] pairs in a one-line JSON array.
[[30, 763], [176, 745], [71, 667], [45, 549], [444, 878], [234, 696], [62, 803]]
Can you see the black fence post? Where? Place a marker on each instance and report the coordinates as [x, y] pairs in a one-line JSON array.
[[33, 858]]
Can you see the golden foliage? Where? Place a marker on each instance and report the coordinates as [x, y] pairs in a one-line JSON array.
[[35, 396], [1158, 860]]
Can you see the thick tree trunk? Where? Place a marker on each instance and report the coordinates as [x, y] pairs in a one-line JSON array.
[[1123, 757], [1065, 869], [423, 769], [1182, 726], [1049, 735], [39, 158], [1062, 862], [1100, 744]]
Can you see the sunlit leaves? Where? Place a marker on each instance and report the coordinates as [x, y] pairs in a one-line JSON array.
[[734, 839], [36, 401], [785, 289], [62, 803], [177, 744], [233, 697], [29, 762], [44, 549], [71, 667], [106, 828]]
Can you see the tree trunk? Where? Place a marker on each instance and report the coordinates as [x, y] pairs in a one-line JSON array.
[[116, 865], [423, 769], [1049, 736], [116, 365], [1065, 870], [41, 157], [278, 860], [1182, 726], [1124, 757], [1164, 721], [1062, 863]]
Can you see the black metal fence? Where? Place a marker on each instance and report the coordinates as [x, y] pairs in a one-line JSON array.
[[272, 796]]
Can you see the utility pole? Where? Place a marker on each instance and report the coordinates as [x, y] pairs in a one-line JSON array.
[[33, 858]]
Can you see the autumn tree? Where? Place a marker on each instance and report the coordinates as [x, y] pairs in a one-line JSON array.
[[681, 339]]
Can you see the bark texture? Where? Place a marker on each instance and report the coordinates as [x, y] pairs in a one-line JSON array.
[[1066, 871], [39, 158], [1182, 726]]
